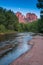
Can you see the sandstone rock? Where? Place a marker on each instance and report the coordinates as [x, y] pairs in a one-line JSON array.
[[30, 17]]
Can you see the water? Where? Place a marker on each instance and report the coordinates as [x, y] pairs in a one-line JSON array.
[[23, 46]]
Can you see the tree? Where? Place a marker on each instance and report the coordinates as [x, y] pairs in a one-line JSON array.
[[11, 19], [2, 16], [40, 6], [8, 19], [2, 28], [40, 23]]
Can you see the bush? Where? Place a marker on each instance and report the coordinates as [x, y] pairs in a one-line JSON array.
[[2, 28]]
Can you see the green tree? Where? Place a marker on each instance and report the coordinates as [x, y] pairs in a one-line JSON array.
[[2, 16], [8, 19], [40, 23], [40, 6], [2, 28], [11, 19]]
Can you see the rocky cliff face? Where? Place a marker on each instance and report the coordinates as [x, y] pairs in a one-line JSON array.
[[30, 17]]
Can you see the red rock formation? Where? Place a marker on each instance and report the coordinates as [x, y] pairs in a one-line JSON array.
[[30, 17], [20, 17]]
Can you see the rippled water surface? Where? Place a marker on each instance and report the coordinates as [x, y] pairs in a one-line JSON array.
[[22, 40]]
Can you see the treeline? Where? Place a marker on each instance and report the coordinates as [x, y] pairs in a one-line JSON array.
[[9, 22]]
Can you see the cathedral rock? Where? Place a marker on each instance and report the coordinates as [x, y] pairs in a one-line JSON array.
[[30, 17]]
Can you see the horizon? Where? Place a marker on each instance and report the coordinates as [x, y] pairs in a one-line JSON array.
[[24, 6]]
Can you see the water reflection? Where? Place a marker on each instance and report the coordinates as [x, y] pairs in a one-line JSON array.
[[22, 47]]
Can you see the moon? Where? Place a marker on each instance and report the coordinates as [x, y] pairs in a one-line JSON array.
[[19, 8]]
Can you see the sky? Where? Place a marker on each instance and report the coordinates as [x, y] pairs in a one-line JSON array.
[[24, 6]]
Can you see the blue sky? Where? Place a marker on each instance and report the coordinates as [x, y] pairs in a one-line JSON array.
[[23, 6]]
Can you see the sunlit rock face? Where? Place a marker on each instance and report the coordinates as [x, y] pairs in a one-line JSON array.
[[30, 17], [20, 17]]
